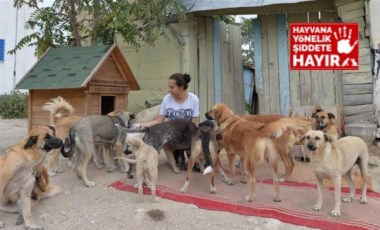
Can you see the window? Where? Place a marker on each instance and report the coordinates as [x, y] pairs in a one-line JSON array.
[[2, 47]]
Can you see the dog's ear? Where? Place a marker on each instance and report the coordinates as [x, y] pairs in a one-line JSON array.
[[219, 136], [328, 138], [331, 116], [52, 128], [132, 116], [318, 109], [31, 141], [313, 115], [302, 138]]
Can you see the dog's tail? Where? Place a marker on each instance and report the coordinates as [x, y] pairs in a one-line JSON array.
[[296, 125], [131, 161], [58, 108], [70, 143], [126, 130]]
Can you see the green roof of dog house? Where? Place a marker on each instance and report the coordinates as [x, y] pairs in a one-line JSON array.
[[65, 67]]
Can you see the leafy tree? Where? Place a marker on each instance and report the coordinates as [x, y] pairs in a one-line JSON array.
[[72, 22], [247, 39]]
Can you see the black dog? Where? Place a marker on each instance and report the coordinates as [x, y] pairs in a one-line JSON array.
[[170, 135]]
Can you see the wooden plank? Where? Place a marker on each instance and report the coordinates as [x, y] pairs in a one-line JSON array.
[[235, 35], [359, 109], [265, 100], [369, 117], [358, 89], [210, 69], [203, 67], [343, 2], [316, 77], [217, 62], [227, 80], [359, 20], [294, 76], [360, 99], [300, 7], [257, 44], [350, 6], [347, 15], [283, 64], [362, 68], [357, 78], [274, 97]]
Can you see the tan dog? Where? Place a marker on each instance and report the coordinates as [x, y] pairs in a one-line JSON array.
[[22, 175], [284, 143], [146, 164], [251, 142], [205, 144], [334, 159], [323, 121], [62, 119]]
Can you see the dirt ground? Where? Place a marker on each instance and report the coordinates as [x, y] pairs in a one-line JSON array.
[[103, 207]]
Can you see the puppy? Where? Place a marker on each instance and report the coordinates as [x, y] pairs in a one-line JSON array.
[[334, 159], [205, 142], [323, 121], [22, 176], [146, 164]]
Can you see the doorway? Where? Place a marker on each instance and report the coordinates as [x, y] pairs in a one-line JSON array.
[[107, 104]]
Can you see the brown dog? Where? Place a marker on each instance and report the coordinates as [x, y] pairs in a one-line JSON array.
[[146, 164], [334, 159], [323, 121], [62, 119], [283, 144], [22, 175], [251, 142]]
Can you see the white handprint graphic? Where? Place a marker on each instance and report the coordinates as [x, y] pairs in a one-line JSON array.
[[344, 40]]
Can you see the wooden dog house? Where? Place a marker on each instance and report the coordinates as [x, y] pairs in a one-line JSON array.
[[95, 80]]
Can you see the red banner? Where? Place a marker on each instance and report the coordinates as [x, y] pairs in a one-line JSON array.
[[324, 46]]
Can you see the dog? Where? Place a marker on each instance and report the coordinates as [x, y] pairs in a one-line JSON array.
[[252, 142], [146, 164], [94, 128], [170, 135], [61, 117], [333, 159], [23, 178], [205, 142], [323, 121]]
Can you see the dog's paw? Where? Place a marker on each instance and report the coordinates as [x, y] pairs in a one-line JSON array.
[[212, 189], [363, 200], [317, 207], [248, 198], [243, 180], [277, 199], [185, 187], [19, 220], [335, 212], [2, 225], [176, 170], [34, 227], [347, 200], [90, 184], [156, 199]]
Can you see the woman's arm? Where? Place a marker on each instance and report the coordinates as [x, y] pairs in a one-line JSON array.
[[195, 120], [159, 119]]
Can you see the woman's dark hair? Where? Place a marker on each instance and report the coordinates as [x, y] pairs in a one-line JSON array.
[[181, 79]]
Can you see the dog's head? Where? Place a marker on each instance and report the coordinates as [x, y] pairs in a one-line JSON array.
[[43, 138], [133, 144], [127, 117], [219, 112], [315, 139], [322, 119]]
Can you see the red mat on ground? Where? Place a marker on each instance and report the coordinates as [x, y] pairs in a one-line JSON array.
[[295, 208]]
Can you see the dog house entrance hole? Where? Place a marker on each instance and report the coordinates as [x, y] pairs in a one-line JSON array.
[[107, 104]]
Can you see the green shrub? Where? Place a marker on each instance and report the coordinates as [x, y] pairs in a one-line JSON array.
[[14, 105]]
